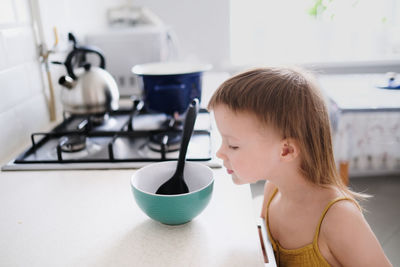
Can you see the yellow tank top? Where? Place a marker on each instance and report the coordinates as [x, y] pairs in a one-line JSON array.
[[308, 255]]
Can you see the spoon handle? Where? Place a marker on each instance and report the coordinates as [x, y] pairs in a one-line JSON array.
[[187, 133]]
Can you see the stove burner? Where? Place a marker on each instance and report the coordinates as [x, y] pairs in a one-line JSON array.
[[167, 141], [98, 119], [174, 122], [73, 143]]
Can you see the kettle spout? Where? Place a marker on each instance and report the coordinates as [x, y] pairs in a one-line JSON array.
[[67, 82]]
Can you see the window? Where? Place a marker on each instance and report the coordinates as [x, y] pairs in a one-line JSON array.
[[314, 31]]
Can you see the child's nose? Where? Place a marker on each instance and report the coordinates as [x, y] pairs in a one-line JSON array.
[[220, 153]]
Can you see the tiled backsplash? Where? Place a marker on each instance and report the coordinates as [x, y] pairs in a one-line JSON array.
[[23, 104]]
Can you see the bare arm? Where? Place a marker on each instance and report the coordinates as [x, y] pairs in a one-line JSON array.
[[350, 238]]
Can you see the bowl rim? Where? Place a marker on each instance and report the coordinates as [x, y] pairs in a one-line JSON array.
[[168, 162]]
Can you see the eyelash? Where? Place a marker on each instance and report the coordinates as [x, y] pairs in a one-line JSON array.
[[233, 147]]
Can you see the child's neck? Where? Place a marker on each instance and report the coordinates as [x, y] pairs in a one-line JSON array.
[[299, 190]]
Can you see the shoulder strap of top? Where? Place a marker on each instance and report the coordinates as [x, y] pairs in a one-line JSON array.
[[273, 243], [272, 197], [326, 210]]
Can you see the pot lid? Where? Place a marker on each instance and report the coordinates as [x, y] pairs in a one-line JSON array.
[[170, 68]]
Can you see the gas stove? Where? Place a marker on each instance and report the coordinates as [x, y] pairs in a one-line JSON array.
[[125, 138]]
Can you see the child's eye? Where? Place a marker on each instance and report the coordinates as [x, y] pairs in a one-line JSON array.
[[233, 147]]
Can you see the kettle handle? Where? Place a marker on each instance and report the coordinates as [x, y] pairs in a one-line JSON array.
[[83, 50]]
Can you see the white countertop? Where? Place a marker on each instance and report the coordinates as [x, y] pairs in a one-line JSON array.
[[89, 218]]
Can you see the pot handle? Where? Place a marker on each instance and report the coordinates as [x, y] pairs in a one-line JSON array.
[[169, 87], [82, 50]]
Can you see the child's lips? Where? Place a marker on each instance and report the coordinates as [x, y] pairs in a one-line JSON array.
[[229, 171]]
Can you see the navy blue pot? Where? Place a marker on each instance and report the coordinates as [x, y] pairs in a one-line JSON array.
[[169, 87], [171, 93]]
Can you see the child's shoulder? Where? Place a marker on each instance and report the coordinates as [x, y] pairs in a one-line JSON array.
[[342, 218], [347, 207], [345, 229], [341, 207]]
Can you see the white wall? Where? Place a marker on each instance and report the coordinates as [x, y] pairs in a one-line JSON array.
[[202, 27], [23, 104]]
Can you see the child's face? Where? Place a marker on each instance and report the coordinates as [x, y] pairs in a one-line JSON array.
[[250, 151]]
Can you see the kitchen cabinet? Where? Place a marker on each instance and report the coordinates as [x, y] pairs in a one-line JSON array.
[[89, 218]]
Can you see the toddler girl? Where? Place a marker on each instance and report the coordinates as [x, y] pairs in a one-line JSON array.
[[274, 126]]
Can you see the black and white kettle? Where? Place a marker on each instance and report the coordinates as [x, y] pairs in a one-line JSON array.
[[87, 89]]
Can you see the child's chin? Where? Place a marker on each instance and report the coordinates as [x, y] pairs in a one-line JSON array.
[[237, 181]]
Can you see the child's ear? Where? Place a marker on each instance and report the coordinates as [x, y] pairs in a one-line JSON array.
[[289, 149]]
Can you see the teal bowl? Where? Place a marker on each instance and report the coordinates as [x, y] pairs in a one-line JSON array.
[[172, 209]]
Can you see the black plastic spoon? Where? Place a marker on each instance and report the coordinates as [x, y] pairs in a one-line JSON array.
[[176, 184]]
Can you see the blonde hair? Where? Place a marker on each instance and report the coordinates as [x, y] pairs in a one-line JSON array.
[[289, 100]]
